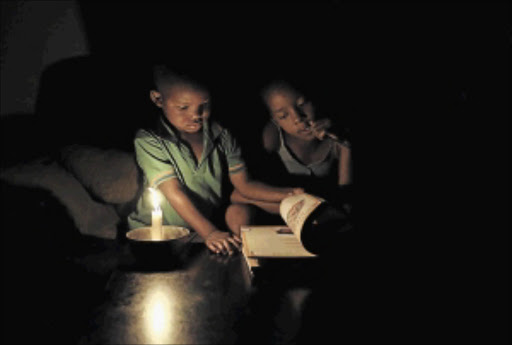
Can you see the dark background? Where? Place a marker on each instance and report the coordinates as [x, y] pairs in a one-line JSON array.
[[423, 89]]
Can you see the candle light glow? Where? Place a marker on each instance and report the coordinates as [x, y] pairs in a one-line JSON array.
[[158, 326]]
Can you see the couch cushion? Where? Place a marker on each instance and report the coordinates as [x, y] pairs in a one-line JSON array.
[[90, 217], [109, 175]]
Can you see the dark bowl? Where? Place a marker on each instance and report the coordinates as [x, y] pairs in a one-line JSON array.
[[162, 252]]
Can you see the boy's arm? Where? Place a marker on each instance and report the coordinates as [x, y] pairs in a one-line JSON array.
[[271, 207], [215, 240], [260, 191]]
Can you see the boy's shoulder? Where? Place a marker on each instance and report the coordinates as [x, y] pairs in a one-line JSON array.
[[156, 131], [145, 133], [147, 137]]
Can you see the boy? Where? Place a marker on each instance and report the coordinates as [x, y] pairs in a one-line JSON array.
[[189, 159]]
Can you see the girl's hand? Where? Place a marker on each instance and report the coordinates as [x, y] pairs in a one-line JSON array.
[[221, 242], [320, 127]]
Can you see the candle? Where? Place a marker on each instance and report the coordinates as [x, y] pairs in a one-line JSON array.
[[156, 216]]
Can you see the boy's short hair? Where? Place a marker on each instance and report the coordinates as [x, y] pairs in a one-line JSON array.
[[164, 77]]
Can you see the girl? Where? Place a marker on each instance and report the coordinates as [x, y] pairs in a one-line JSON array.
[[305, 153]]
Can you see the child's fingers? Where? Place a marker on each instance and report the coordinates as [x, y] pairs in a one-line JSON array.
[[235, 243], [225, 247], [216, 246], [213, 247], [319, 127], [236, 238], [321, 124], [225, 244], [296, 191], [320, 134]]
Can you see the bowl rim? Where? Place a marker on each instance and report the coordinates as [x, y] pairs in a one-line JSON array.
[[187, 233]]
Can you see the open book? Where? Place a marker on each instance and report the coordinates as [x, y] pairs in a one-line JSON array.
[[282, 241], [312, 227], [273, 241]]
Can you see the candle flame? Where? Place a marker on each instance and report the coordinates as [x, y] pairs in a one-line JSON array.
[[155, 198]]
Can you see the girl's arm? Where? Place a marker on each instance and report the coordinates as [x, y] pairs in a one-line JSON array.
[[259, 191], [344, 166], [270, 141], [270, 137], [216, 240]]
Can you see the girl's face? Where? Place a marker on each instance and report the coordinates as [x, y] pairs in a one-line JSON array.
[[292, 113], [185, 107]]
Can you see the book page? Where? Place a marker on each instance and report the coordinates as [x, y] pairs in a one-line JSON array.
[[272, 242], [296, 209]]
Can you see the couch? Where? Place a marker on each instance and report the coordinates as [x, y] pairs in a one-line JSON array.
[[97, 187], [63, 224]]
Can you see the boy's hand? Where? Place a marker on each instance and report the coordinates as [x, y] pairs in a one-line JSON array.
[[221, 242], [295, 191]]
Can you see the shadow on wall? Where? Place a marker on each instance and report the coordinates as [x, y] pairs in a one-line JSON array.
[[92, 100], [21, 138], [101, 100], [82, 100]]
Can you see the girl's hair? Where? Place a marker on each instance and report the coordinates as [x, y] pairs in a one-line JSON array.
[[277, 85]]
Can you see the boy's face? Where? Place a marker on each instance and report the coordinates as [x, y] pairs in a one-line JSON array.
[[291, 112], [185, 107]]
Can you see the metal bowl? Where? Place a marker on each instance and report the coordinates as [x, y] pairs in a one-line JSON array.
[[157, 252]]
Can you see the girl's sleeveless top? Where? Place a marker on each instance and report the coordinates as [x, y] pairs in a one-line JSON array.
[[322, 169]]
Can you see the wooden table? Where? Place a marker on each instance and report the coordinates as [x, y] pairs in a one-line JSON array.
[[196, 301], [211, 299]]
